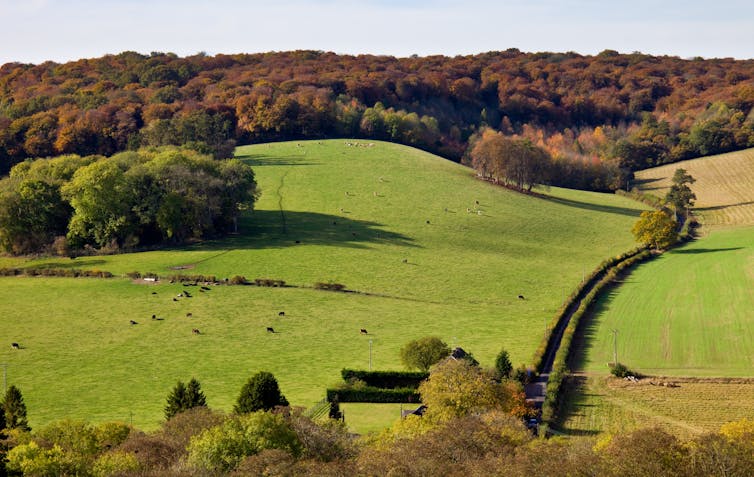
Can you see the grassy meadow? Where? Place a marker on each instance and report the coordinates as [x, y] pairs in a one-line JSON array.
[[724, 186], [686, 314], [432, 251]]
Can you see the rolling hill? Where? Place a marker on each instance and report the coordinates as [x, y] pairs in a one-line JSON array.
[[424, 248]]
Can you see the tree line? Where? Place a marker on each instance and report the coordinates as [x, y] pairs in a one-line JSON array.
[[131, 199], [592, 114], [471, 427]]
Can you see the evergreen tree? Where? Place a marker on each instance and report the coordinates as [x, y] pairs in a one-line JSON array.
[[194, 395], [261, 391], [176, 400], [503, 365], [183, 397], [15, 409]]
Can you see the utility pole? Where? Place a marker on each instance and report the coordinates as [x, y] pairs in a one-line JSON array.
[[615, 347], [370, 355]]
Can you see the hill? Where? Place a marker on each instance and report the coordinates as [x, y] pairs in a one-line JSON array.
[[598, 114], [724, 186], [328, 212]]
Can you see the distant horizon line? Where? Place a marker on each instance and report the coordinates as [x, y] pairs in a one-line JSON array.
[[415, 55]]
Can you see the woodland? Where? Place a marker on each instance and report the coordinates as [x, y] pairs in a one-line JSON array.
[[598, 118]]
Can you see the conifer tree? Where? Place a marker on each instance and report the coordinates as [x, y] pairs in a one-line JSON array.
[[503, 365], [194, 395], [176, 400], [15, 409]]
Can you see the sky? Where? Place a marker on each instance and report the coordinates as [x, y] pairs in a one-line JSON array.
[[34, 31]]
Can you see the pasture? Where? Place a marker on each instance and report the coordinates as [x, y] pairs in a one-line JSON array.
[[724, 186], [686, 313], [431, 251]]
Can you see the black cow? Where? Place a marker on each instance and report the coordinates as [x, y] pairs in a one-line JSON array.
[[364, 331], [270, 329]]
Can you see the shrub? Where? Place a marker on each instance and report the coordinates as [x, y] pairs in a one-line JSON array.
[[330, 286], [238, 280], [267, 282], [620, 370], [222, 448]]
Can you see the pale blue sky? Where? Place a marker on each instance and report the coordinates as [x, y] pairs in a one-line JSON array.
[[61, 30]]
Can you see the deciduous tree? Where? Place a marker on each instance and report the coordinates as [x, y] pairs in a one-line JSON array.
[[656, 228], [261, 392], [424, 352]]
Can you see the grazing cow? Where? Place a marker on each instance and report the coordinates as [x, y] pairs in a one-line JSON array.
[[154, 317], [175, 299], [282, 313], [521, 297], [154, 293], [180, 295], [15, 346], [196, 331], [405, 260], [187, 294], [189, 315], [270, 329], [133, 322], [364, 331], [476, 202], [205, 288]]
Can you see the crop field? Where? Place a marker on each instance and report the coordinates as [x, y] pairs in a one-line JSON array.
[[724, 186], [598, 404], [686, 313], [429, 249]]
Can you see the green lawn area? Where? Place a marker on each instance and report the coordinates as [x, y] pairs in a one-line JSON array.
[[328, 212], [687, 313]]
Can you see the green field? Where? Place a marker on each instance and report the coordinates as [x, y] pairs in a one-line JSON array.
[[686, 313], [357, 212]]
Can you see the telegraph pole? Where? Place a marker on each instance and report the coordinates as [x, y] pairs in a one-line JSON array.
[[370, 355], [615, 347]]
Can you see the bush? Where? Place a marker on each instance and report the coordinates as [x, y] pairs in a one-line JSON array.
[[620, 370], [238, 280], [386, 379], [267, 282], [330, 286]]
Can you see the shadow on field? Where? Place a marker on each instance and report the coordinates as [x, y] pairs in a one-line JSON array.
[[587, 329], [258, 160], [267, 229], [575, 396], [721, 207], [74, 263], [695, 251], [645, 182], [595, 207]]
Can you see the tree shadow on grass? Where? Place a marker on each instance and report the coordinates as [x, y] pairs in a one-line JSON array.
[[257, 160], [264, 229], [595, 207], [69, 263], [587, 329], [694, 251]]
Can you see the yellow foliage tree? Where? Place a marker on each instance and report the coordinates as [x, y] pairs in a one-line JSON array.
[[656, 229], [457, 388]]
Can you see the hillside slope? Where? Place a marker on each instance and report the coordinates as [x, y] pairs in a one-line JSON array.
[[724, 186], [388, 221]]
